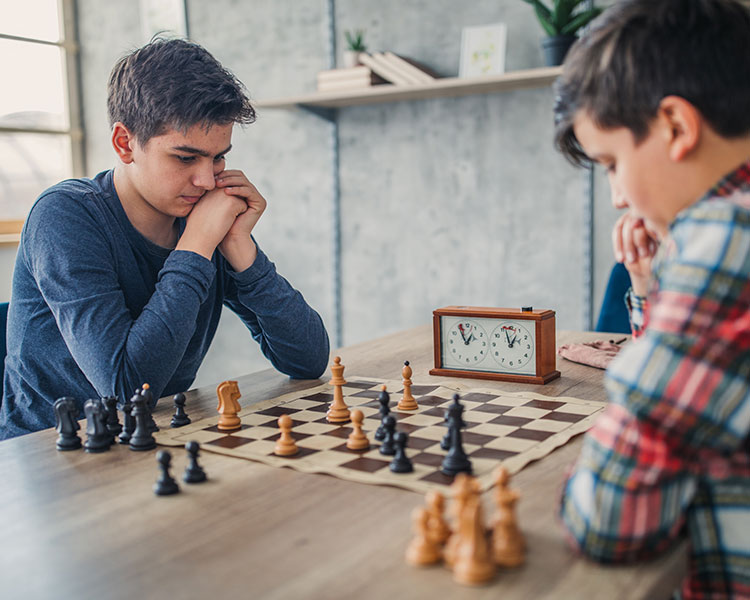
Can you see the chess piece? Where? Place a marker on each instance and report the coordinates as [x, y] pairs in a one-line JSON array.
[[194, 473], [165, 485], [98, 439], [422, 550], [407, 401], [180, 418], [401, 462], [463, 487], [357, 439], [473, 564], [128, 426], [388, 447], [458, 410], [456, 461], [113, 422], [285, 445], [385, 409], [508, 545], [141, 439], [228, 394], [67, 425], [438, 529], [338, 412], [149, 403]]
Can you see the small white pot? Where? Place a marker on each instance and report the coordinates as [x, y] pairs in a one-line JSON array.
[[351, 58]]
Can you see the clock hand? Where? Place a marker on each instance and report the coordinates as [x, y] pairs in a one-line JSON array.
[[461, 331], [507, 339]]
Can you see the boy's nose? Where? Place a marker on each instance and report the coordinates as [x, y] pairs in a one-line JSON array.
[[204, 178]]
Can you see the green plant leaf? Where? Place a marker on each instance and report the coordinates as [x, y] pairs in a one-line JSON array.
[[563, 11], [580, 20], [355, 41], [544, 15]]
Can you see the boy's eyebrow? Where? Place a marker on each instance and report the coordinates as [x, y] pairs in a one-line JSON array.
[[198, 151]]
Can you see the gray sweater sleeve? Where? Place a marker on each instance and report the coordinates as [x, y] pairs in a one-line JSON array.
[[290, 333], [73, 261]]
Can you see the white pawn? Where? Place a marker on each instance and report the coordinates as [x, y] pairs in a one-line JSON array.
[[357, 439], [285, 445]]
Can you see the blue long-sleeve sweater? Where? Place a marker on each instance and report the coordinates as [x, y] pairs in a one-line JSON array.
[[97, 309]]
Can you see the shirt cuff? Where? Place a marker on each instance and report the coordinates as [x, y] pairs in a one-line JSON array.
[[637, 306]]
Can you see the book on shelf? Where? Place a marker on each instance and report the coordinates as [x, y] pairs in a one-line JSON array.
[[349, 78], [411, 67]]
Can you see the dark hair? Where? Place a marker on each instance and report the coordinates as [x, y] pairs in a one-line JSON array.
[[640, 51], [174, 83]]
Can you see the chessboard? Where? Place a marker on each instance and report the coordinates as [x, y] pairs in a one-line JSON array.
[[502, 428]]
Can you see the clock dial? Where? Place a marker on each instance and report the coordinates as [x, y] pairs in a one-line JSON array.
[[512, 346], [465, 343]]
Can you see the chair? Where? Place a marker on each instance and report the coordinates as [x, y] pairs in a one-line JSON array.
[[613, 316]]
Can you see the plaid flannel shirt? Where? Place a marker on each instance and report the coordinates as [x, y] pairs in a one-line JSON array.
[[672, 449]]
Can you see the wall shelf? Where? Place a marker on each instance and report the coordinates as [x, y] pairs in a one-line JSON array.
[[440, 88]]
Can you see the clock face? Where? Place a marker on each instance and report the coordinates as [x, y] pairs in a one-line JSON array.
[[509, 348], [512, 346], [466, 343]]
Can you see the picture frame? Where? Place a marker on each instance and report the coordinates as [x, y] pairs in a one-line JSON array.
[[483, 50]]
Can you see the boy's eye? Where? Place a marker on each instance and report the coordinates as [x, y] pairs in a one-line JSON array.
[[185, 159], [220, 158]]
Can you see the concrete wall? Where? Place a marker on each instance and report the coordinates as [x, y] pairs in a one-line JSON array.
[[443, 201]]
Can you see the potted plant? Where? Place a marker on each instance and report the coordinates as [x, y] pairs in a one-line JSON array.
[[561, 23], [355, 45]]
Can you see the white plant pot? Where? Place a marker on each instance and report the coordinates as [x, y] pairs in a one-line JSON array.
[[351, 58]]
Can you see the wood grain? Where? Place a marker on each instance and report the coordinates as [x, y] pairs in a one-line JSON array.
[[83, 525]]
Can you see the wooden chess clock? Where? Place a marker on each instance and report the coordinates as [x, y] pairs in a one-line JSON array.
[[507, 344]]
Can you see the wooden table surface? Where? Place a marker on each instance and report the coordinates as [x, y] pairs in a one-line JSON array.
[[79, 525]]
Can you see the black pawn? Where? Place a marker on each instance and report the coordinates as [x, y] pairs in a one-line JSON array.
[[98, 438], [128, 422], [194, 473], [180, 418], [148, 397], [385, 409], [401, 462], [113, 423], [165, 485], [141, 438], [389, 425], [67, 425]]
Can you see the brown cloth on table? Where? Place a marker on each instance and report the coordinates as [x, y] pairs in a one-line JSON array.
[[595, 354]]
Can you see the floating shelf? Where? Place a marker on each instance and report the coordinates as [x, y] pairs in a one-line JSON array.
[[440, 88]]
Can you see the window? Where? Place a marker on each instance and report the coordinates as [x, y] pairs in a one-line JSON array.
[[40, 127]]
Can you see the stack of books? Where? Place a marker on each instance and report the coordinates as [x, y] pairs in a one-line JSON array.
[[376, 68], [348, 79], [397, 69]]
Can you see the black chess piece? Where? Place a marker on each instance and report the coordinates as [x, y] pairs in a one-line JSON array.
[[401, 462], [385, 409], [457, 409], [456, 461], [141, 438], [165, 485], [98, 438], [148, 396], [67, 425], [389, 425], [113, 422], [180, 418], [194, 473], [128, 421]]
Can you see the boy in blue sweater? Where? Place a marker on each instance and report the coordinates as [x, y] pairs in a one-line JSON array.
[[121, 279]]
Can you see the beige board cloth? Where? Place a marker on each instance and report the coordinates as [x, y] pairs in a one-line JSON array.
[[512, 429], [597, 354]]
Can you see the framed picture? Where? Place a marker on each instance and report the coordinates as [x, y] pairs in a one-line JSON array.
[[483, 50]]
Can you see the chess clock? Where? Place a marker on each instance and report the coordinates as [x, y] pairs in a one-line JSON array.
[[506, 344]]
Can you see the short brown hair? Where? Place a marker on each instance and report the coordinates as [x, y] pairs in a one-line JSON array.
[[639, 51], [174, 83]]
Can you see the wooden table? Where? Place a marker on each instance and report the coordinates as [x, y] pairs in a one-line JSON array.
[[79, 525]]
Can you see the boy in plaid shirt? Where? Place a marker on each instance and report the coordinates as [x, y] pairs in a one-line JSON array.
[[658, 92]]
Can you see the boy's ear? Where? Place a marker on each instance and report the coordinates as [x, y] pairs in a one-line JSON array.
[[681, 124], [123, 141]]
